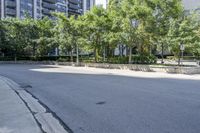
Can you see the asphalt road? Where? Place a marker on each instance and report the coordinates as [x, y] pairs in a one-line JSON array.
[[106, 103]]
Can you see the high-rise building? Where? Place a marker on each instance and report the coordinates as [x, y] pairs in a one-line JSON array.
[[8, 8], [40, 8], [88, 4], [75, 7]]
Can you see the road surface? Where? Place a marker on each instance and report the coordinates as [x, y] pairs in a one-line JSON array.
[[90, 101]]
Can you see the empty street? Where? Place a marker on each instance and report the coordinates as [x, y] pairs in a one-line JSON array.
[[90, 100]]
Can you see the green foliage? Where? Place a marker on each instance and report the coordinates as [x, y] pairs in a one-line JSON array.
[[98, 26], [44, 40], [118, 60], [144, 59], [184, 30]]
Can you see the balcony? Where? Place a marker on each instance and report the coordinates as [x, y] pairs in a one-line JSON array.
[[49, 6], [10, 12], [71, 11], [50, 1], [46, 11], [74, 1], [72, 6], [11, 4]]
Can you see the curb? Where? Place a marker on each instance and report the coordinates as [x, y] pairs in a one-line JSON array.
[[134, 67], [47, 120]]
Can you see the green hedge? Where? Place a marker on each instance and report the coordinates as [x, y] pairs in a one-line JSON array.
[[26, 58], [118, 60], [184, 57], [144, 59], [7, 58], [136, 59]]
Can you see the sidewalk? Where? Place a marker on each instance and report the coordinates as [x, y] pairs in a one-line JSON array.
[[118, 72], [15, 117]]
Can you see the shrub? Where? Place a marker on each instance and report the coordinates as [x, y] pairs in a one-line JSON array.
[[118, 60], [144, 59]]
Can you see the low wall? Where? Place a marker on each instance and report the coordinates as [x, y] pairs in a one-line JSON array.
[[135, 67], [148, 68]]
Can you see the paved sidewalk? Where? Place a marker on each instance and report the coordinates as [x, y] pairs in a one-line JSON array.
[[14, 115], [102, 71]]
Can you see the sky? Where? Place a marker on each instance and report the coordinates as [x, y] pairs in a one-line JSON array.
[[188, 4], [101, 2], [191, 4]]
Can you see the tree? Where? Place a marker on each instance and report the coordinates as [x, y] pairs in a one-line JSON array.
[[96, 23], [3, 42], [45, 34], [62, 34], [69, 33], [184, 30], [134, 15], [31, 35], [164, 11], [114, 29], [15, 36]]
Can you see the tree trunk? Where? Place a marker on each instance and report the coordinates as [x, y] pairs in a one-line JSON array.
[[34, 49], [77, 55], [71, 55], [179, 58], [162, 54], [108, 53], [122, 50], [15, 57], [104, 54], [130, 55], [96, 54]]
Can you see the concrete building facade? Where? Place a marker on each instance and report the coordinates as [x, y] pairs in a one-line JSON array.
[[88, 4], [40, 8]]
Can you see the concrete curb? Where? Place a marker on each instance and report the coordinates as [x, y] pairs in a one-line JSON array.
[[134, 67], [45, 121], [15, 116]]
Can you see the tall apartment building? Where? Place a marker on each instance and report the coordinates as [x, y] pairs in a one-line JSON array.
[[88, 4], [40, 8]]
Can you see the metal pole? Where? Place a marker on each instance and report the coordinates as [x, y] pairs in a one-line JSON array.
[[181, 48]]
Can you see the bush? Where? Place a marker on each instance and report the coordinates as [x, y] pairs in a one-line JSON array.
[[87, 59], [7, 58], [64, 59], [144, 59], [118, 60], [189, 58], [136, 59]]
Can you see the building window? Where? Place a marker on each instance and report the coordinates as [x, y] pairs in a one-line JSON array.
[[26, 8]]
